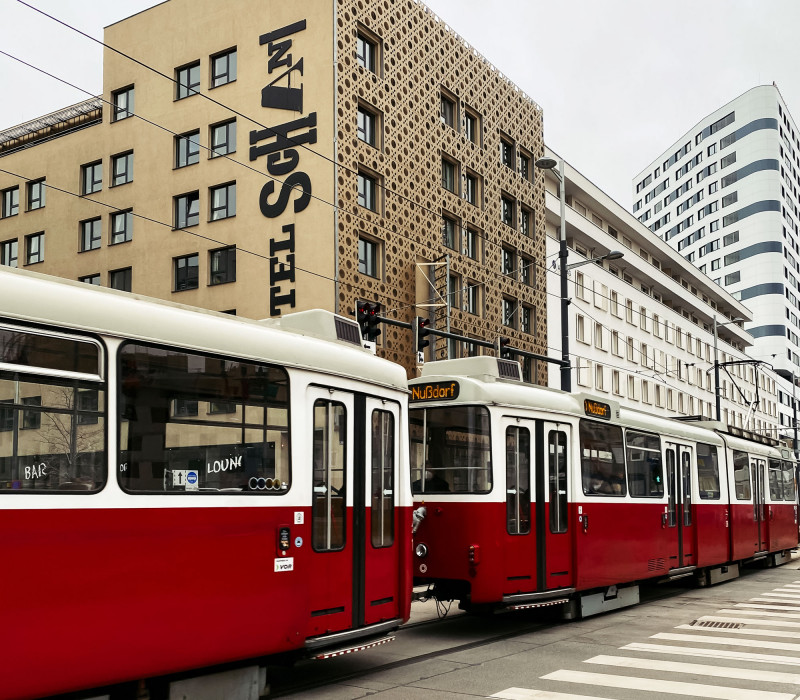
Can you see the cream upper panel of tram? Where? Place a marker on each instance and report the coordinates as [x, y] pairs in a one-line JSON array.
[[29, 296]]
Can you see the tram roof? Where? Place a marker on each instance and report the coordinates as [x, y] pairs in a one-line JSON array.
[[307, 341]]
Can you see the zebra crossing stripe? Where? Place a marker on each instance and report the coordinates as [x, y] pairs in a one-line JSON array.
[[758, 606], [746, 674], [749, 621], [730, 641], [713, 653], [530, 694], [786, 603], [748, 630], [693, 690]]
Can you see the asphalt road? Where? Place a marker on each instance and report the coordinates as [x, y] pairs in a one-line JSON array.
[[738, 640]]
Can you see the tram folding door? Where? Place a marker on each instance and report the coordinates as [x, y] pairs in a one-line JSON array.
[[679, 518], [356, 546], [758, 469], [537, 550]]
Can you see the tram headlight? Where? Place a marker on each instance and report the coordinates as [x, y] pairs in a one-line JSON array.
[[421, 550]]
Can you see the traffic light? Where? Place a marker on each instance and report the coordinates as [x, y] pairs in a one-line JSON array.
[[368, 317], [501, 347], [421, 332]]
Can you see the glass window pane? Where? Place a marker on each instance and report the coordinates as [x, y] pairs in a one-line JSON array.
[[329, 458], [602, 459], [382, 479], [518, 481]]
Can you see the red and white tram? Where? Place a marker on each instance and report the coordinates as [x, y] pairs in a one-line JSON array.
[[180, 488], [535, 497]]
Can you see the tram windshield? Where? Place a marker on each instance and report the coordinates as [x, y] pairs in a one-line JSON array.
[[450, 450]]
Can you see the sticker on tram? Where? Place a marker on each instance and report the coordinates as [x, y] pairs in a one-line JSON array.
[[596, 409], [435, 391], [284, 564]]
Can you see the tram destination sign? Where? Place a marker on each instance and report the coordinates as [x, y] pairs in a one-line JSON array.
[[435, 391], [596, 409]]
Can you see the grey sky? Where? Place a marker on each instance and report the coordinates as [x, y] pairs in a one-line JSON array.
[[618, 80]]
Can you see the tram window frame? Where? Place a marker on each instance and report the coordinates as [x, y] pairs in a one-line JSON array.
[[775, 477], [602, 450], [56, 446], [789, 484], [325, 511], [518, 480], [741, 464], [152, 378], [642, 458], [558, 473], [382, 478], [457, 461], [708, 472]]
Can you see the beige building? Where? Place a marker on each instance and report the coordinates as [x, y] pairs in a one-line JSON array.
[[276, 157]]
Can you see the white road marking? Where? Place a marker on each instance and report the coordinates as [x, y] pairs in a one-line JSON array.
[[730, 641], [779, 597], [713, 653], [694, 690], [747, 630], [757, 606], [700, 669], [529, 694], [748, 620]]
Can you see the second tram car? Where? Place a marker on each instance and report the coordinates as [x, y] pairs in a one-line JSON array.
[[180, 489], [527, 496]]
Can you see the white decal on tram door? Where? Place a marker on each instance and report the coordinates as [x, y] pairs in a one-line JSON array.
[[37, 471], [284, 564]]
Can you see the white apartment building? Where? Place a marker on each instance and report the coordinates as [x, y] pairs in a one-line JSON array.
[[641, 327], [725, 195]]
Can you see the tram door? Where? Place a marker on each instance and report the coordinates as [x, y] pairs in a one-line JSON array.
[[757, 471], [678, 518], [553, 475], [355, 544]]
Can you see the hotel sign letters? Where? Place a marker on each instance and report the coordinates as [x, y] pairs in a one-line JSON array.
[[281, 147]]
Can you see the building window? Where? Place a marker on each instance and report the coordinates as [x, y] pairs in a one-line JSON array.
[[526, 270], [447, 111], [223, 68], [121, 226], [367, 191], [187, 210], [367, 49], [8, 253], [123, 103], [526, 222], [91, 234], [732, 278], [187, 149], [729, 199], [454, 291], [222, 263], [92, 177], [507, 152], [188, 80], [525, 317], [472, 244], [509, 312], [121, 169], [36, 194], [223, 138], [120, 279], [186, 272], [473, 298], [507, 211], [472, 124], [10, 202], [367, 126], [34, 248], [223, 201], [509, 262], [90, 279], [449, 232], [368, 250], [471, 188], [525, 165], [449, 175]]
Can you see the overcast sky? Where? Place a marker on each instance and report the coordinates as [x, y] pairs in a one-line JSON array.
[[619, 80]]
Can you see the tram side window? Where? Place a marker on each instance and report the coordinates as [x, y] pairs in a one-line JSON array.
[[788, 481], [50, 439], [518, 480], [192, 423], [383, 489], [643, 460], [557, 466], [775, 480], [450, 450], [602, 459], [329, 457], [707, 472], [741, 475]]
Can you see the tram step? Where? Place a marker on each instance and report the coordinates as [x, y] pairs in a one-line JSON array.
[[542, 604], [353, 648]]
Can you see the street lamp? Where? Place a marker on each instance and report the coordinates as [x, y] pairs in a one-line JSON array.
[[566, 364], [716, 364]]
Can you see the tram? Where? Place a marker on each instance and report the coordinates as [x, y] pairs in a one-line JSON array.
[[181, 489], [527, 496]]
